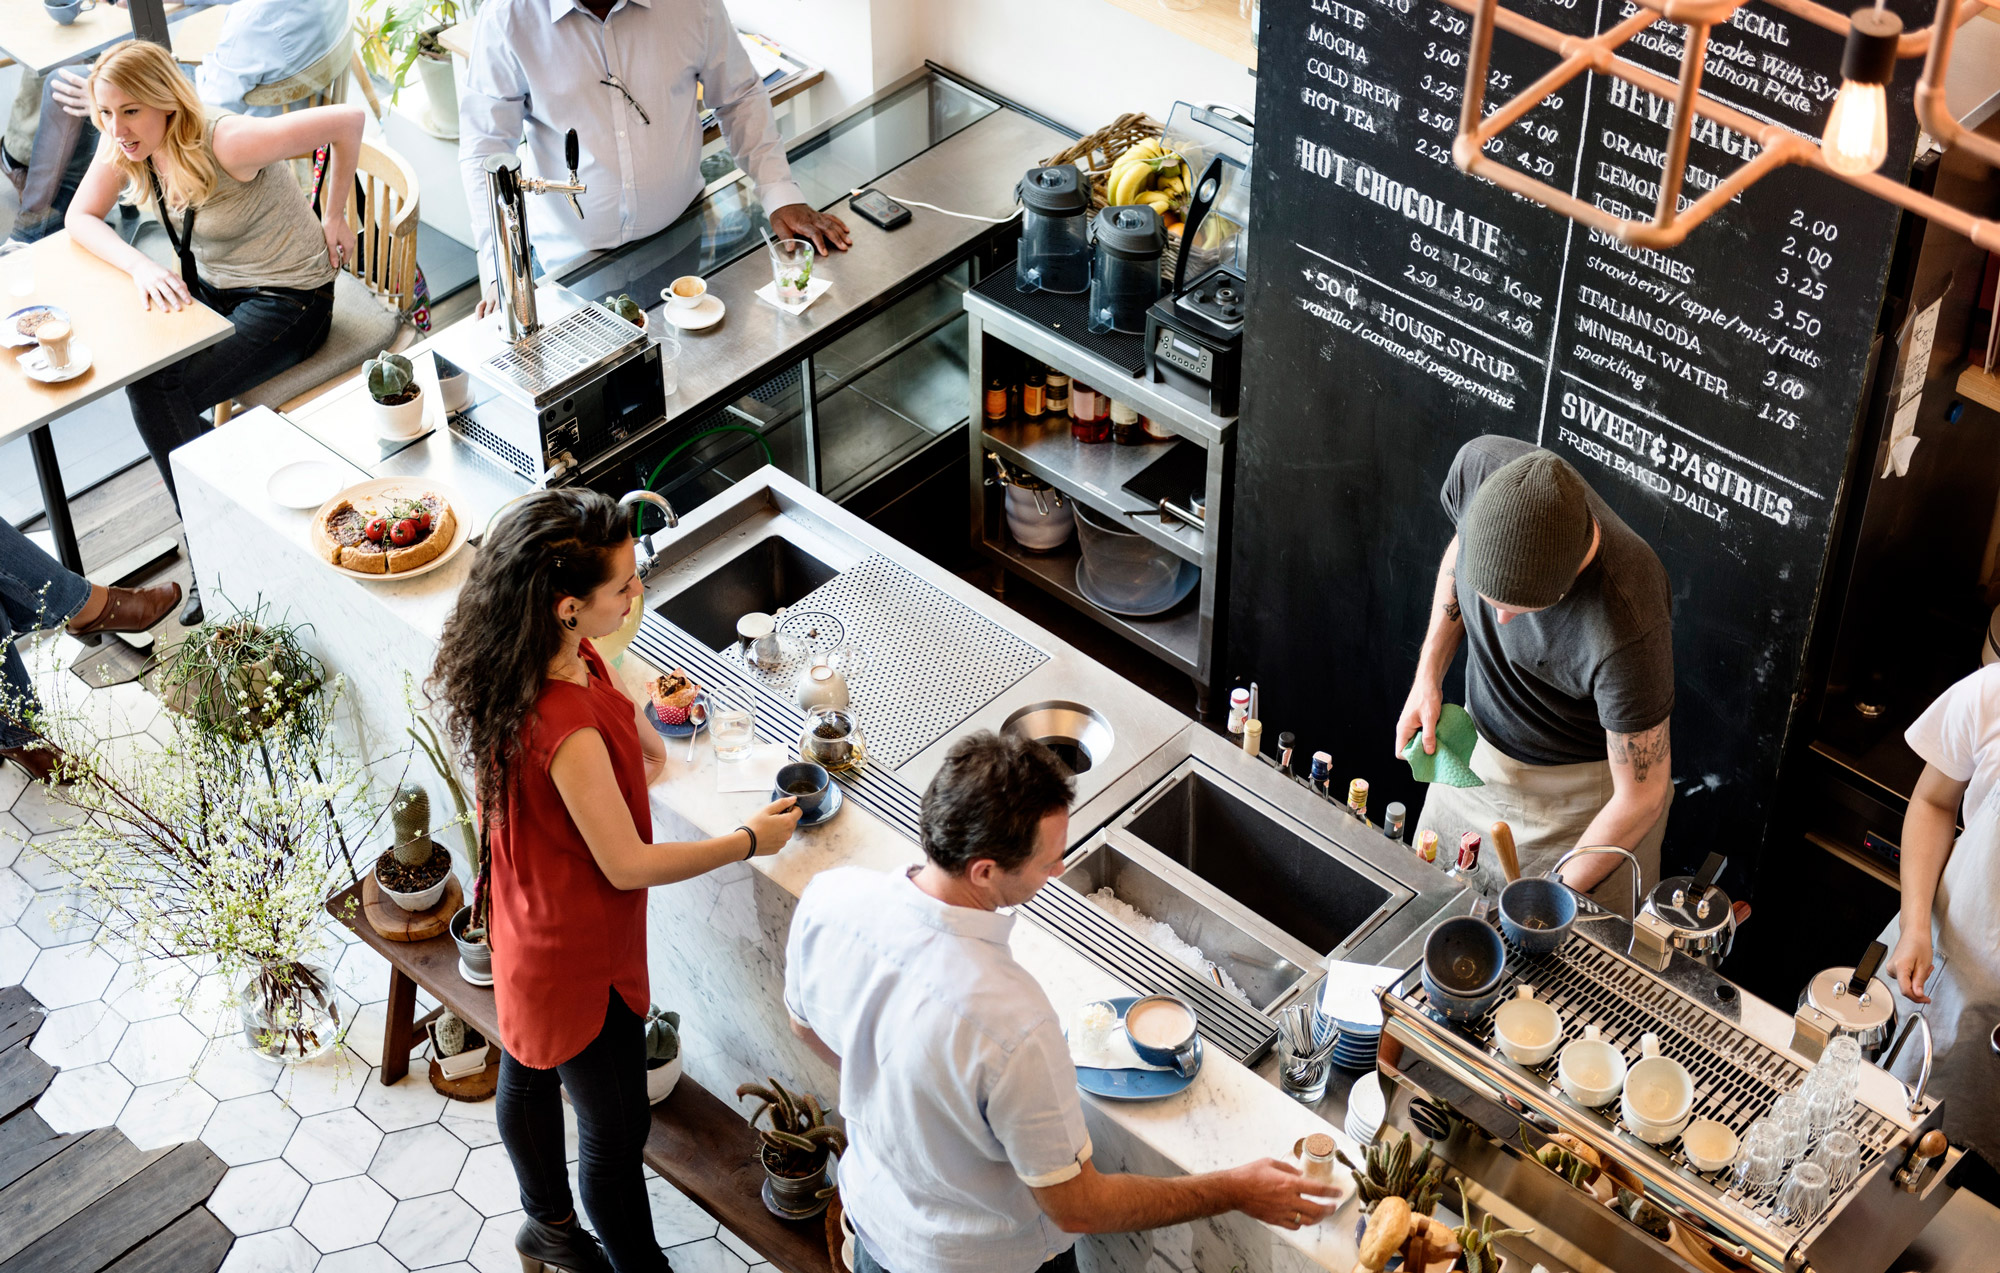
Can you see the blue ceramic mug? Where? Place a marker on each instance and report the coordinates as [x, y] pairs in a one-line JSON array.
[[1163, 1031], [1464, 963], [64, 14], [807, 783], [1536, 914]]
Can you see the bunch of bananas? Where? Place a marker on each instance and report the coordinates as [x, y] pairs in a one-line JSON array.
[[1151, 175]]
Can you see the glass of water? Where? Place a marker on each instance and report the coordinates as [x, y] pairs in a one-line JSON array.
[[792, 268], [732, 725], [670, 365]]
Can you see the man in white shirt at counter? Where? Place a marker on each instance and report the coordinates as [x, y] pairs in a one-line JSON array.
[[967, 1151], [623, 74]]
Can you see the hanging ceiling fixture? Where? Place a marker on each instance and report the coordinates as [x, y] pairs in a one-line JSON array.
[[1852, 149]]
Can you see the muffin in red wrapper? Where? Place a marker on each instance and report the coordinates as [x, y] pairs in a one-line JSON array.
[[672, 695]]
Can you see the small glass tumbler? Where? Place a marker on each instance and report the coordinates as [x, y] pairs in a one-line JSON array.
[[1788, 1115], [1843, 1052], [792, 269], [670, 365], [1840, 1154], [1761, 1160], [1805, 1193], [1827, 1101], [732, 726]]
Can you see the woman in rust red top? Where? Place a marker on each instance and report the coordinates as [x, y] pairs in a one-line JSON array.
[[562, 759]]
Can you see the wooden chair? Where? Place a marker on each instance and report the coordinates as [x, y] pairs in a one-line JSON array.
[[371, 294]]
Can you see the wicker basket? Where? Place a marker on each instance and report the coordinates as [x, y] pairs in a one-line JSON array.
[[1099, 150]]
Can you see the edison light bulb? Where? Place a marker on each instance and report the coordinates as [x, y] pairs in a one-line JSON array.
[[1857, 129]]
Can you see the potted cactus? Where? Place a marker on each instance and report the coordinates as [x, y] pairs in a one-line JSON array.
[[626, 308], [663, 1053], [399, 399], [412, 871], [1475, 1241], [461, 1050], [796, 1149]]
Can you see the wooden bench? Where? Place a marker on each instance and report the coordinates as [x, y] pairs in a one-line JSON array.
[[702, 1145]]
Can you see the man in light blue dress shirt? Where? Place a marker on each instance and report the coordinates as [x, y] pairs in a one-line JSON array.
[[623, 74], [967, 1150]]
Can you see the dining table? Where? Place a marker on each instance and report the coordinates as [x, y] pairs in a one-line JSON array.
[[39, 43], [124, 341]]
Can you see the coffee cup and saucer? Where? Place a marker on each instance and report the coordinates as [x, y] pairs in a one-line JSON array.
[[1162, 1030], [690, 307], [818, 794], [57, 356]]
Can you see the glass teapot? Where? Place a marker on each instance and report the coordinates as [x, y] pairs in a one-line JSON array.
[[833, 738]]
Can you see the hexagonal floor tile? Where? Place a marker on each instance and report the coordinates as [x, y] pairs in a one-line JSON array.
[[83, 1034], [162, 1114], [17, 955], [743, 1250], [344, 1213], [332, 1145], [15, 894], [488, 1183], [361, 1259], [409, 1102], [211, 1008], [120, 710], [60, 917], [250, 1129], [156, 1051], [677, 1218], [493, 1250], [279, 1251], [230, 1068], [69, 975], [418, 1161], [41, 811], [317, 1087], [423, 1232], [34, 864], [83, 1099], [148, 988], [258, 1197], [12, 783], [706, 1256], [475, 1123], [363, 974]]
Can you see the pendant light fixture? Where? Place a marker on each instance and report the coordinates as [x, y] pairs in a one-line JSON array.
[[1852, 147]]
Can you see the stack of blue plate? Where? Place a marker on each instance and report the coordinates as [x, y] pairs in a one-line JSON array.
[[1347, 1003], [1356, 1049]]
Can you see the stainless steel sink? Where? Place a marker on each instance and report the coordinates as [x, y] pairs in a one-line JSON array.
[[771, 573]]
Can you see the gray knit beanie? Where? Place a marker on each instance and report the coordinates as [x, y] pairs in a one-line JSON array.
[[1526, 533]]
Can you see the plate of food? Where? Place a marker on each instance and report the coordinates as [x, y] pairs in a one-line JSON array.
[[671, 698], [18, 328], [388, 528]]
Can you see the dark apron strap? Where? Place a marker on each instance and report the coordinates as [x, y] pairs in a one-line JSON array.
[[183, 242]]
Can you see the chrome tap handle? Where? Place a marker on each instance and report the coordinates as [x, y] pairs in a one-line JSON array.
[[1915, 1094], [570, 157], [633, 499], [1580, 850]]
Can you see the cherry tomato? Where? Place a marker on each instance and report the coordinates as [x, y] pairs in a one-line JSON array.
[[404, 533], [424, 521], [376, 528]]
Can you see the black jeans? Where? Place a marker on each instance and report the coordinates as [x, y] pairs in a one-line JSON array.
[[607, 1087], [865, 1261], [277, 328]]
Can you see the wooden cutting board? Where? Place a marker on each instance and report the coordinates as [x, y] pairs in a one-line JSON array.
[[397, 924]]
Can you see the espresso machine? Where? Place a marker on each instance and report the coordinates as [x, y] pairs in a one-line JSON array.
[[557, 381], [1488, 1115]]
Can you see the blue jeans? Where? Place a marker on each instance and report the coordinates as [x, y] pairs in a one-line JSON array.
[[36, 594], [607, 1088], [277, 328]]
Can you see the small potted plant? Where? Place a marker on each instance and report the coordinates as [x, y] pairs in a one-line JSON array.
[[468, 925], [797, 1148], [399, 399], [235, 677], [398, 35], [626, 308], [412, 872], [1475, 1241], [461, 1050], [663, 1053]]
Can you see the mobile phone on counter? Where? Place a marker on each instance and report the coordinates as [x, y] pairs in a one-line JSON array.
[[880, 208]]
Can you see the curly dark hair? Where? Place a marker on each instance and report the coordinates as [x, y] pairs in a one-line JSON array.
[[494, 654], [988, 801]]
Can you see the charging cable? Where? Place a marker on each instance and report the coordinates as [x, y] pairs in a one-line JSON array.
[[912, 203]]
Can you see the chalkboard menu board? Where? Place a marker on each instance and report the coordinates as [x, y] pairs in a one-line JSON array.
[[1400, 307]]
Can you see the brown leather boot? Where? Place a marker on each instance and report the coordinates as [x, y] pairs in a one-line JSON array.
[[132, 609], [42, 761]]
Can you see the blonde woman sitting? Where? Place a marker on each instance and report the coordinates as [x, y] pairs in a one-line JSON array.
[[249, 243]]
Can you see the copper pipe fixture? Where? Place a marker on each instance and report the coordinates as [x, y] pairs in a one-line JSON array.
[[1776, 144]]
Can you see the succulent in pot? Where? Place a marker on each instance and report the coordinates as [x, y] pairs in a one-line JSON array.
[[461, 1050], [626, 308], [399, 399], [796, 1151], [413, 870], [1475, 1241], [663, 1053]]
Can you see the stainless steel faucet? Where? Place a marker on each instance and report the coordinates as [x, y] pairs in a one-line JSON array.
[[513, 266], [634, 499]]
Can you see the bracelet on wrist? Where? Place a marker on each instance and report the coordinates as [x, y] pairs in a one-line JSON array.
[[753, 842]]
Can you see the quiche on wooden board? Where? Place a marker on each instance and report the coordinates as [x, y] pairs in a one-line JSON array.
[[384, 535]]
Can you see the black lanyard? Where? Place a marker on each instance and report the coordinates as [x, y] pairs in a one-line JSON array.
[[183, 242]]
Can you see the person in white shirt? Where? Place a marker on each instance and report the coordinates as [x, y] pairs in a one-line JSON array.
[[967, 1151], [1951, 906], [623, 74]]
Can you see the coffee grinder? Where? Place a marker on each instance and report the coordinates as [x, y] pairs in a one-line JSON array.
[[1194, 334]]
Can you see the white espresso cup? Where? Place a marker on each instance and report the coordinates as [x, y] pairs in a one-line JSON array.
[[1659, 1095], [1527, 1029], [1591, 1070], [686, 292], [54, 337]]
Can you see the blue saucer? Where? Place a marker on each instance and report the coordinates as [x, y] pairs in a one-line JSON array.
[[676, 731], [1136, 1085], [834, 799]]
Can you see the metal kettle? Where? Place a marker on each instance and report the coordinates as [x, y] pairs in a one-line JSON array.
[[1688, 914], [1847, 1001]]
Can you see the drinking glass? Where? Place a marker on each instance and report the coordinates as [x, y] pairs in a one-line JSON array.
[[670, 365], [17, 268], [1840, 1154], [1788, 1115], [1762, 1158], [1827, 1101], [732, 725], [1805, 1193], [1843, 1052], [791, 268]]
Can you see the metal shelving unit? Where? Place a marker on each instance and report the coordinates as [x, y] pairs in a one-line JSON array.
[[1094, 475]]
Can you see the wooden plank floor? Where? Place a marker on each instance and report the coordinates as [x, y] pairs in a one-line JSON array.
[[91, 1201]]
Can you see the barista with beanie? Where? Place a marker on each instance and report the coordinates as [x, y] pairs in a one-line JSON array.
[[1569, 677], [562, 761]]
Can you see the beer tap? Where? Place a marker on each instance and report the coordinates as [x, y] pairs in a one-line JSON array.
[[513, 273]]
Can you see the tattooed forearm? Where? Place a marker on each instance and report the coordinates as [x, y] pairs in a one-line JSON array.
[[1451, 610], [1643, 752]]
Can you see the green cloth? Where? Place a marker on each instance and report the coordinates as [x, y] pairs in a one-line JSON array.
[[1451, 764]]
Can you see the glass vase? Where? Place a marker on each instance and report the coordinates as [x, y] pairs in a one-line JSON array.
[[289, 1011]]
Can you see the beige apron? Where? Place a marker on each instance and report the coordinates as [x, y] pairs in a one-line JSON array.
[[1548, 807]]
